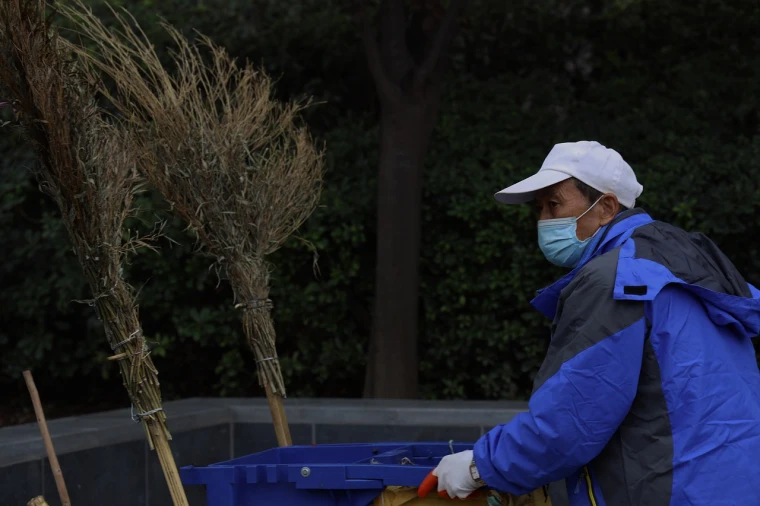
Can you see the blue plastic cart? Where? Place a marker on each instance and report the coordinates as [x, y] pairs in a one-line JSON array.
[[324, 475]]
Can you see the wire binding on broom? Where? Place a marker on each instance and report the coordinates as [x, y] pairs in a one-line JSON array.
[[136, 417], [143, 353], [267, 358], [255, 305], [133, 335]]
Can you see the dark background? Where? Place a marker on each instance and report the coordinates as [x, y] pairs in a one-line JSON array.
[[673, 86]]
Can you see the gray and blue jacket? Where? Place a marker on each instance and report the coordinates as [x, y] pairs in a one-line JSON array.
[[650, 390]]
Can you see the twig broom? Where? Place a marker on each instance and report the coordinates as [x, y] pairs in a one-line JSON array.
[[86, 165], [227, 156]]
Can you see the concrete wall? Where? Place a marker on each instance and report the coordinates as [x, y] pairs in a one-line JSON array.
[[106, 461]]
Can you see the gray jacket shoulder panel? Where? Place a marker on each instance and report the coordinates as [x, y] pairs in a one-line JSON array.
[[599, 272], [587, 313]]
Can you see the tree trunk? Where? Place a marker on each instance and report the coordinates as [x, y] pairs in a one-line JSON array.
[[409, 95], [405, 134]]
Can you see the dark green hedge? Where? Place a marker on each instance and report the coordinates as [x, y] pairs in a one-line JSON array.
[[673, 87]]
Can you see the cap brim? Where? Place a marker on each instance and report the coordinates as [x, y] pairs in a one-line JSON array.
[[525, 190]]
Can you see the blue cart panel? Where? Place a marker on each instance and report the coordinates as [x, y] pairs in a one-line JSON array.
[[324, 475]]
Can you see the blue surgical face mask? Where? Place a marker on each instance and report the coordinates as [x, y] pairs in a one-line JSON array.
[[559, 241]]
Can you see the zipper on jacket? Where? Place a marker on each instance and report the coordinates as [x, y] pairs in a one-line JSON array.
[[590, 486]]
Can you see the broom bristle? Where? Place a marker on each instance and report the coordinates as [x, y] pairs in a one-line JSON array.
[[87, 165], [230, 159]]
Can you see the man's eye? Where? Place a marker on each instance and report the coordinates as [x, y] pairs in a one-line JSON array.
[[553, 204]]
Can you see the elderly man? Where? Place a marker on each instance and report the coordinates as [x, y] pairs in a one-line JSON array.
[[650, 392]]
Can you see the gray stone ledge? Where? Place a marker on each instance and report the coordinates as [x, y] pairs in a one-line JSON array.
[[23, 443], [380, 415]]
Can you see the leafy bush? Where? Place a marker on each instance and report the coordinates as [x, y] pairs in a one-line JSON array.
[[671, 87]]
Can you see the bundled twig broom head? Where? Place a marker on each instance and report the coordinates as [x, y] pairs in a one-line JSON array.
[[86, 165], [229, 158]]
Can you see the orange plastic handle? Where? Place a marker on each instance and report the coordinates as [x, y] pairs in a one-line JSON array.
[[431, 483]]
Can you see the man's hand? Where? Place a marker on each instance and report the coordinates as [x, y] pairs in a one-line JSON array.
[[454, 476]]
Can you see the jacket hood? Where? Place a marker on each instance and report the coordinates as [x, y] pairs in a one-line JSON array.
[[659, 254]]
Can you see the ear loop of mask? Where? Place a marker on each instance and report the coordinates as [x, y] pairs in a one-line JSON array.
[[590, 208], [581, 216]]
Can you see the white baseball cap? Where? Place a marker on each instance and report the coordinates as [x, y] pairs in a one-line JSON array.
[[588, 161]]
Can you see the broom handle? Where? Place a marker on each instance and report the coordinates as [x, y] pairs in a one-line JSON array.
[[280, 421], [57, 474], [169, 467]]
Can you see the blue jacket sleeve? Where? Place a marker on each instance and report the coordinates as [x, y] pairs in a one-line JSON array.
[[582, 392]]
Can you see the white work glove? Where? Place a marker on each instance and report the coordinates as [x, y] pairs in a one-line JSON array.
[[454, 476]]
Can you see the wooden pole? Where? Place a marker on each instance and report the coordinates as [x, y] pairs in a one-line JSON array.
[[166, 459], [279, 420], [57, 474]]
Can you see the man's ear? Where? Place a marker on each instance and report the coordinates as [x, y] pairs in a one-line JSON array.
[[609, 207]]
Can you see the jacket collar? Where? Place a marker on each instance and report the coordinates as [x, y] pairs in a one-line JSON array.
[[612, 236]]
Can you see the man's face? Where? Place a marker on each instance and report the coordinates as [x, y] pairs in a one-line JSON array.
[[565, 200]]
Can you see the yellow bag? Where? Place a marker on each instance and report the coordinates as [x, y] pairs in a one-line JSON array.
[[407, 496]]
